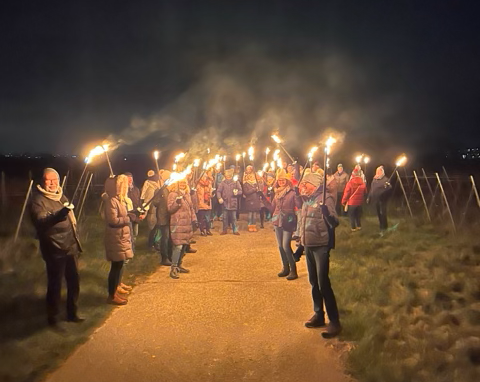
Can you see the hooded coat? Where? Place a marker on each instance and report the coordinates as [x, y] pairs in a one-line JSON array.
[[354, 192], [118, 239], [315, 230], [380, 190], [181, 216], [160, 201]]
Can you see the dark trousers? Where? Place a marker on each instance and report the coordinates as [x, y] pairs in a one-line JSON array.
[[381, 207], [203, 217], [57, 268], [165, 242], [318, 264], [115, 276], [355, 215], [230, 217], [339, 206], [284, 239], [151, 237]]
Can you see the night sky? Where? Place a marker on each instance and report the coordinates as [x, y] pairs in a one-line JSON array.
[[405, 75]]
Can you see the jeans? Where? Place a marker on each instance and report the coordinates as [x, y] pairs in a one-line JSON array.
[[115, 276], [230, 217], [284, 239], [203, 217], [355, 214], [57, 269], [318, 264], [165, 242], [251, 218], [178, 253], [381, 207], [299, 217]]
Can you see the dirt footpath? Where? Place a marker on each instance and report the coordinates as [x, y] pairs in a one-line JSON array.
[[230, 319]]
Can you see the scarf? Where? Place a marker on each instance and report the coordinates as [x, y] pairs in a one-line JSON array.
[[280, 192], [249, 178], [56, 197]]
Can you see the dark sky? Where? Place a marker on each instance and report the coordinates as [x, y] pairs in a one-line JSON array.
[[71, 72]]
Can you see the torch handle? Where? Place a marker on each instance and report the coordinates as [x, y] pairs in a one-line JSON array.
[[79, 182], [109, 164]]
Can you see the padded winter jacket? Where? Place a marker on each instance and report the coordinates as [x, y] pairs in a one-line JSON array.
[[252, 199], [342, 180], [314, 230], [55, 231], [380, 190], [181, 218], [354, 192], [160, 201], [225, 192], [118, 236]]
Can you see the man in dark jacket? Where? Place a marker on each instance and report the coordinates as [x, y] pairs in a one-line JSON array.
[[54, 220], [163, 220], [379, 194], [317, 233], [134, 195], [342, 179], [227, 194]]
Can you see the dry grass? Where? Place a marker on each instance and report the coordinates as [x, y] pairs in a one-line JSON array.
[[411, 303]]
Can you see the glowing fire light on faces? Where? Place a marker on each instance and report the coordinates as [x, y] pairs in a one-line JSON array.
[[401, 160]]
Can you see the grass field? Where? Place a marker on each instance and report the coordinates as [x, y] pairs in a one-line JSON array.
[[410, 302]]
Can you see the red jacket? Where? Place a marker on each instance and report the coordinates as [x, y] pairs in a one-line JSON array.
[[354, 192]]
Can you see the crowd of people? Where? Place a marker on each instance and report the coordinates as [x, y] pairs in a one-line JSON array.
[[300, 205]]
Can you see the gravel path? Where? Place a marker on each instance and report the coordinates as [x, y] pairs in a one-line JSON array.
[[230, 319]]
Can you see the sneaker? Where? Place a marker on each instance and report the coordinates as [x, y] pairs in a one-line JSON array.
[[174, 273], [183, 270], [332, 330], [209, 233], [353, 230], [191, 250], [315, 322]]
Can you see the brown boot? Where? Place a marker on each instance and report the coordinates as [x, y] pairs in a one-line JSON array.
[[250, 229], [116, 300], [126, 287], [121, 290], [254, 228]]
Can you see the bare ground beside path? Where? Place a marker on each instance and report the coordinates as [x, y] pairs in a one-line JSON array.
[[230, 319]]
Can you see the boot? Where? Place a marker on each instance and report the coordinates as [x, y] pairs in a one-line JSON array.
[[190, 250], [250, 228], [174, 272], [166, 261], [209, 233], [285, 272], [315, 322], [254, 228], [292, 275], [116, 300], [333, 330], [126, 287], [203, 233], [121, 291]]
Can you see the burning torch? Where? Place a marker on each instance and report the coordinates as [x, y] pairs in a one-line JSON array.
[[277, 139], [328, 146], [401, 161]]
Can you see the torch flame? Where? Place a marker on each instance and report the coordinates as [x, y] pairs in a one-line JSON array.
[[328, 144], [267, 150], [358, 158], [265, 167], [179, 156], [224, 158], [237, 157], [218, 166], [243, 154], [196, 162], [401, 160], [94, 152], [276, 138], [177, 176], [251, 150], [276, 154], [235, 178], [105, 146], [272, 165], [156, 154], [366, 159], [260, 173]]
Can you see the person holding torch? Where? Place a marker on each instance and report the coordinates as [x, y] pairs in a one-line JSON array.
[[379, 195], [317, 234], [56, 226], [182, 221], [227, 195]]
